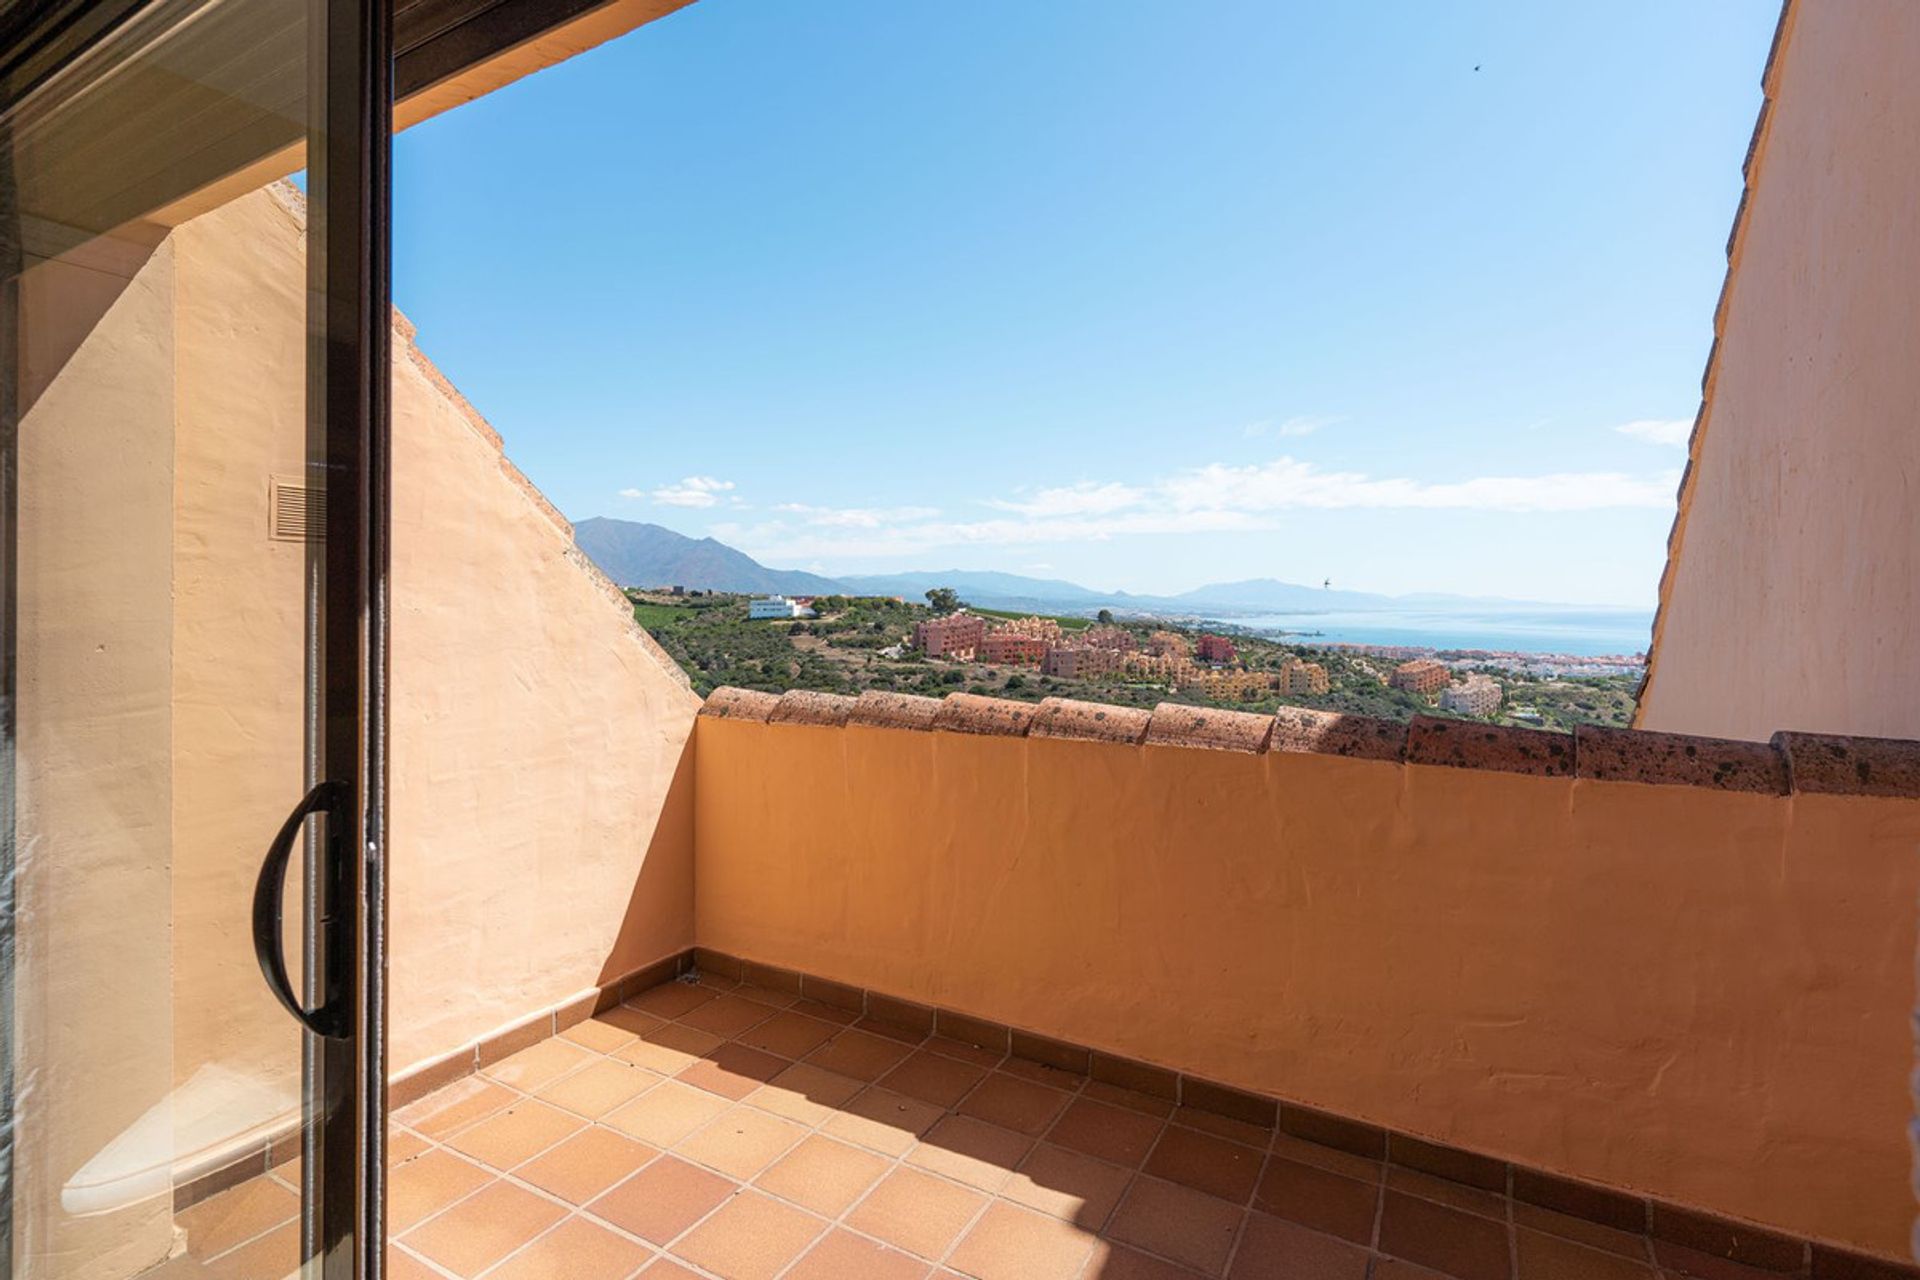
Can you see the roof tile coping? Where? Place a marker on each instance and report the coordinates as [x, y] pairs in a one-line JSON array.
[[975, 713], [804, 706], [1466, 744], [1639, 755], [1088, 721], [1831, 764], [1174, 724], [1303, 729], [880, 709], [729, 703]]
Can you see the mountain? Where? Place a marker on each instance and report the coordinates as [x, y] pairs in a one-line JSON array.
[[1269, 595], [645, 555], [985, 588]]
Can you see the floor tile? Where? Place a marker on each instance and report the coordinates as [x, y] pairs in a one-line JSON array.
[[663, 1199], [972, 1151], [788, 1035], [1117, 1262], [1041, 1073], [1206, 1163], [237, 1215], [733, 1071], [1579, 1230], [1549, 1257], [1271, 1249], [586, 1164], [973, 1054], [1247, 1135], [630, 1020], [270, 1256], [1145, 1103], [825, 1012], [883, 1120], [484, 1228], [917, 1212], [459, 1104], [402, 1144], [1010, 1243], [1069, 1185], [1100, 1129], [1682, 1261], [665, 1114], [669, 1048], [402, 1265], [908, 1036], [727, 1016], [741, 1142], [1332, 1159], [599, 1087], [1016, 1104], [805, 1093], [859, 1055], [1455, 1195], [823, 1175], [516, 1133], [668, 1269], [752, 1237], [1446, 1240], [599, 1035], [1316, 1198], [1400, 1269], [933, 1078], [539, 1064], [1190, 1227], [672, 999], [577, 1249], [842, 1255], [427, 1184]]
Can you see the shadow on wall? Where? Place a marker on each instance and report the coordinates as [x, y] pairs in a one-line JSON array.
[[659, 918]]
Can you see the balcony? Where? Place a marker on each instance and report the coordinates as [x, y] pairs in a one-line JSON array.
[[986, 989]]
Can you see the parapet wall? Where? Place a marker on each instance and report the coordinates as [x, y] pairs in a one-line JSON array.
[[1677, 967]]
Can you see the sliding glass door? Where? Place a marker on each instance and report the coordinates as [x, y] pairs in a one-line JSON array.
[[193, 379]]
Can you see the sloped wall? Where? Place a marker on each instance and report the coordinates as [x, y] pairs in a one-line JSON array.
[[1792, 595]]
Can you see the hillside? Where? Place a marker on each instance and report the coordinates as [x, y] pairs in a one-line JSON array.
[[634, 554]]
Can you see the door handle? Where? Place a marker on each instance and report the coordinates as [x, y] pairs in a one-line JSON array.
[[329, 1019]]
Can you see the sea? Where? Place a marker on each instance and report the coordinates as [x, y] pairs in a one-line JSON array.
[[1586, 632]]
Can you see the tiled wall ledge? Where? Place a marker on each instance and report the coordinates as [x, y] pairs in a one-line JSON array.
[[194, 1185], [1792, 763], [1741, 1242]]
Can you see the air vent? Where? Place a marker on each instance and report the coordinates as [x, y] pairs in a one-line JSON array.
[[295, 512]]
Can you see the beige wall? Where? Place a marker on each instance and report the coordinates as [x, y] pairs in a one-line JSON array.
[[541, 777], [1693, 994], [1793, 597], [93, 980]]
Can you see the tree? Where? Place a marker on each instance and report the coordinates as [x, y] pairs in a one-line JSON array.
[[1104, 617], [943, 599]]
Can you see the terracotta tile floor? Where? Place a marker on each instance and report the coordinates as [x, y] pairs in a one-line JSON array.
[[708, 1130]]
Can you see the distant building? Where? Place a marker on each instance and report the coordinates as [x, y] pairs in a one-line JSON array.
[[1477, 695], [1230, 686], [955, 636], [1012, 648], [764, 607], [676, 590], [1163, 644], [1214, 648], [1297, 677], [1423, 676], [1118, 639], [1080, 662], [1036, 628]]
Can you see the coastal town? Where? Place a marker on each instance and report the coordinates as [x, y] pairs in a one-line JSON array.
[[852, 643]]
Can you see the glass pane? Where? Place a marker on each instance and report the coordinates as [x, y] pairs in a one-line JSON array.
[[164, 532]]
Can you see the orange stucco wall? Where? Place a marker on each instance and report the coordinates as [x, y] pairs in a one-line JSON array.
[[1792, 599], [1692, 994]]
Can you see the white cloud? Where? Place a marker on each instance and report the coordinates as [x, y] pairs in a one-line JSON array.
[[855, 517], [1667, 431], [1208, 499], [693, 491], [1291, 428]]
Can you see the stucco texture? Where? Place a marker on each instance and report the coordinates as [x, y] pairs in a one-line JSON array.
[[1696, 995], [1792, 598]]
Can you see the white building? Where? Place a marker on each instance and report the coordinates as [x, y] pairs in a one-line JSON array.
[[773, 607], [1478, 695]]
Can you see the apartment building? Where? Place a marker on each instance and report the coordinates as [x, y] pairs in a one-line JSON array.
[[1012, 648], [955, 636], [1080, 662], [1162, 643], [1298, 677], [1477, 695], [1423, 676], [1214, 648], [1118, 639]]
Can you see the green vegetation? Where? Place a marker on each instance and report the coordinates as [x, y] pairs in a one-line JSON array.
[[861, 642]]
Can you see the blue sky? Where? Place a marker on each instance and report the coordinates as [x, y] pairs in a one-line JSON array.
[[1141, 294]]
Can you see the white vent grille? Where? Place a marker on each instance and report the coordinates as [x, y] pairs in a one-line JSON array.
[[296, 512]]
